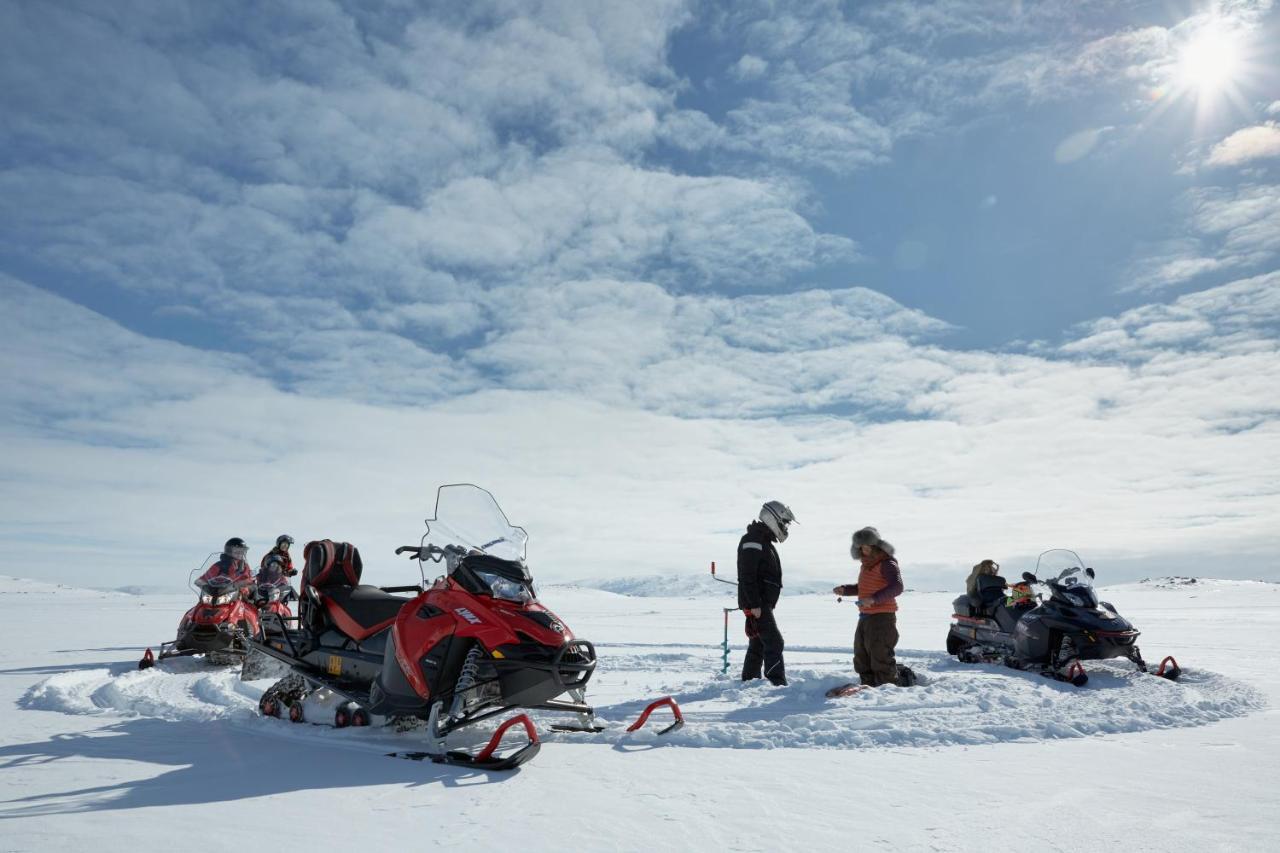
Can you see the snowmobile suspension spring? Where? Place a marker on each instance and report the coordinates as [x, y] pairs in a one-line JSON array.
[[466, 679]]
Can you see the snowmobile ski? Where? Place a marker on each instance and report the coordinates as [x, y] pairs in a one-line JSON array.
[[666, 701], [485, 759]]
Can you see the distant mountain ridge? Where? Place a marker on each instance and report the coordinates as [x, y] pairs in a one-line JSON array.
[[687, 586]]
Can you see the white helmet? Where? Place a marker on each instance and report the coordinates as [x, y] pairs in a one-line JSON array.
[[777, 517]]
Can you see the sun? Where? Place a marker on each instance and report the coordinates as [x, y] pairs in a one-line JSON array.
[[1212, 66], [1211, 61]]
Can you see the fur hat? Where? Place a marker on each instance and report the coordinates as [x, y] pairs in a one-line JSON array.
[[869, 536]]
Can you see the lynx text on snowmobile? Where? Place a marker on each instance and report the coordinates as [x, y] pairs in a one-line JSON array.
[[1052, 637], [471, 646], [219, 626]]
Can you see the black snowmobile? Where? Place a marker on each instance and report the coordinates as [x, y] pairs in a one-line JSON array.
[[1051, 637]]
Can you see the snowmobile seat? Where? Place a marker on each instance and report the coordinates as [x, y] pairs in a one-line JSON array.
[[991, 594], [331, 564], [361, 611], [1007, 617]]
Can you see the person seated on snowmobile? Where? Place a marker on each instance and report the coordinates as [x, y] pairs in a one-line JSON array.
[[232, 563], [984, 585], [280, 556], [986, 567]]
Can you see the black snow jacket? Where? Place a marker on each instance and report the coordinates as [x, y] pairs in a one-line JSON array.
[[759, 569]]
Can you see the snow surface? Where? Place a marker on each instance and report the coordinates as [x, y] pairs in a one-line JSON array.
[[97, 752]]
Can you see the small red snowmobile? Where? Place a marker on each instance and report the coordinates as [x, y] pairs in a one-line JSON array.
[[219, 626], [471, 646], [273, 599]]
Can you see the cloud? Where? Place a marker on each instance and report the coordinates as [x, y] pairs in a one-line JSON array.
[[454, 245], [118, 439], [836, 86], [1229, 229], [749, 67], [1243, 146]]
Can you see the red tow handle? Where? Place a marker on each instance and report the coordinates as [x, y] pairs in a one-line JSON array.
[[665, 700], [492, 745], [149, 660]]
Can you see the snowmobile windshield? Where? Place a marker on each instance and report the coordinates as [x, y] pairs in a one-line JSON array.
[[273, 591], [469, 517], [1057, 562], [487, 550], [1066, 575]]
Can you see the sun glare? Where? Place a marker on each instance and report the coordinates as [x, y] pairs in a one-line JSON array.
[[1214, 69], [1211, 61]]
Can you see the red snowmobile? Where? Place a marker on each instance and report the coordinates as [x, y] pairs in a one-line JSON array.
[[471, 646], [273, 599], [219, 626]]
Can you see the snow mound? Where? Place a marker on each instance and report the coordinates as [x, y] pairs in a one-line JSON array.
[[956, 705], [687, 586], [184, 690], [1193, 586], [1171, 582]]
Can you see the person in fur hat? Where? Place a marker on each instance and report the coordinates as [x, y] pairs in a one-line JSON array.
[[878, 587]]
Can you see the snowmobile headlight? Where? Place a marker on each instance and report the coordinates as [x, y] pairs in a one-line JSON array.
[[206, 598], [505, 588], [226, 597], [1107, 615]]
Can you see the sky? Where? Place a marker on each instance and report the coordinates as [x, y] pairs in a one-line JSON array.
[[994, 277]]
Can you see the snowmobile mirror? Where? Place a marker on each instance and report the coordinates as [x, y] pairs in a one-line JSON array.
[[1089, 572], [1029, 578]]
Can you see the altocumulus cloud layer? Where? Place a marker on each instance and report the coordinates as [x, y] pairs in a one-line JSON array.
[[290, 268]]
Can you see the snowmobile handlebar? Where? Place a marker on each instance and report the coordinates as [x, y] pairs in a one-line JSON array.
[[429, 552]]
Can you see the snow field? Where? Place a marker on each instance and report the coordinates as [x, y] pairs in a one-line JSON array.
[[96, 753], [956, 705]]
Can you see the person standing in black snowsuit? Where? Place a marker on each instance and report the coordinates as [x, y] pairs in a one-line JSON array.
[[759, 586]]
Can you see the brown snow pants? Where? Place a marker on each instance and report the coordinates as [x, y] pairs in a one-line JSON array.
[[873, 645]]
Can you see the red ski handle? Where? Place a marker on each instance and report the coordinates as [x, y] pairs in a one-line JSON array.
[[644, 717], [1168, 660], [486, 753]]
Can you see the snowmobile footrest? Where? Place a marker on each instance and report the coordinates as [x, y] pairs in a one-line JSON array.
[[644, 717]]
